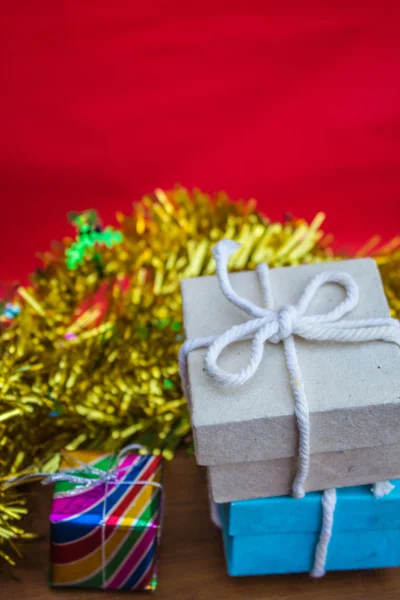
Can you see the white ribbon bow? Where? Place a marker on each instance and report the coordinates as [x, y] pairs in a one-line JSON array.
[[86, 476], [267, 325]]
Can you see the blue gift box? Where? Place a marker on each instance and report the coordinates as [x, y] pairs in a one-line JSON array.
[[280, 535]]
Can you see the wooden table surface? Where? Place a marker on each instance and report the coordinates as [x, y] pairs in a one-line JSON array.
[[192, 564]]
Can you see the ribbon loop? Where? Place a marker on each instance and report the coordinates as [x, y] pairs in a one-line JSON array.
[[345, 281], [261, 329], [274, 329]]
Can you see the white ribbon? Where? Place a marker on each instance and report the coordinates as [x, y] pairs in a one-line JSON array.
[[83, 482]]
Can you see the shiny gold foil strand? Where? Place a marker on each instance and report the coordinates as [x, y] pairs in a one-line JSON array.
[[107, 375], [388, 261]]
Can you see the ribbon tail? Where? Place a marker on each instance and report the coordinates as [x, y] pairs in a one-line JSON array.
[[222, 252], [302, 416]]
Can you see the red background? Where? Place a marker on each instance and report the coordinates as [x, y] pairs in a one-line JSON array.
[[295, 103]]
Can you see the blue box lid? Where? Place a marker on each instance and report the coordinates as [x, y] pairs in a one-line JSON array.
[[357, 509]]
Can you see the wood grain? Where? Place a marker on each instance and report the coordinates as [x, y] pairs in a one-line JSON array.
[[192, 564]]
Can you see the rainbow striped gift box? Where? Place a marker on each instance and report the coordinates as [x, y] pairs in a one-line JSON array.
[[106, 536]]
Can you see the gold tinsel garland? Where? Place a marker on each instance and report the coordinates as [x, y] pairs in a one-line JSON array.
[[89, 349]]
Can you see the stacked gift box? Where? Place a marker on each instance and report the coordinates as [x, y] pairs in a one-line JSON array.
[[318, 410]]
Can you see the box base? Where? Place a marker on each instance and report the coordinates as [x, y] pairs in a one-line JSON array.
[[263, 479]]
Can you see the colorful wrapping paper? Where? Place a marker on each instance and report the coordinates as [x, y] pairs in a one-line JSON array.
[[107, 536]]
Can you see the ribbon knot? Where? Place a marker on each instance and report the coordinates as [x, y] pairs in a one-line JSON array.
[[268, 325], [287, 318], [110, 477]]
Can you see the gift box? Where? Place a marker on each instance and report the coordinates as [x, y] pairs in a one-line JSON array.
[[280, 535], [105, 532], [247, 435]]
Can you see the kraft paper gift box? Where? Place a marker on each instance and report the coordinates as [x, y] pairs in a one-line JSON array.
[[280, 535], [247, 436], [107, 536]]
